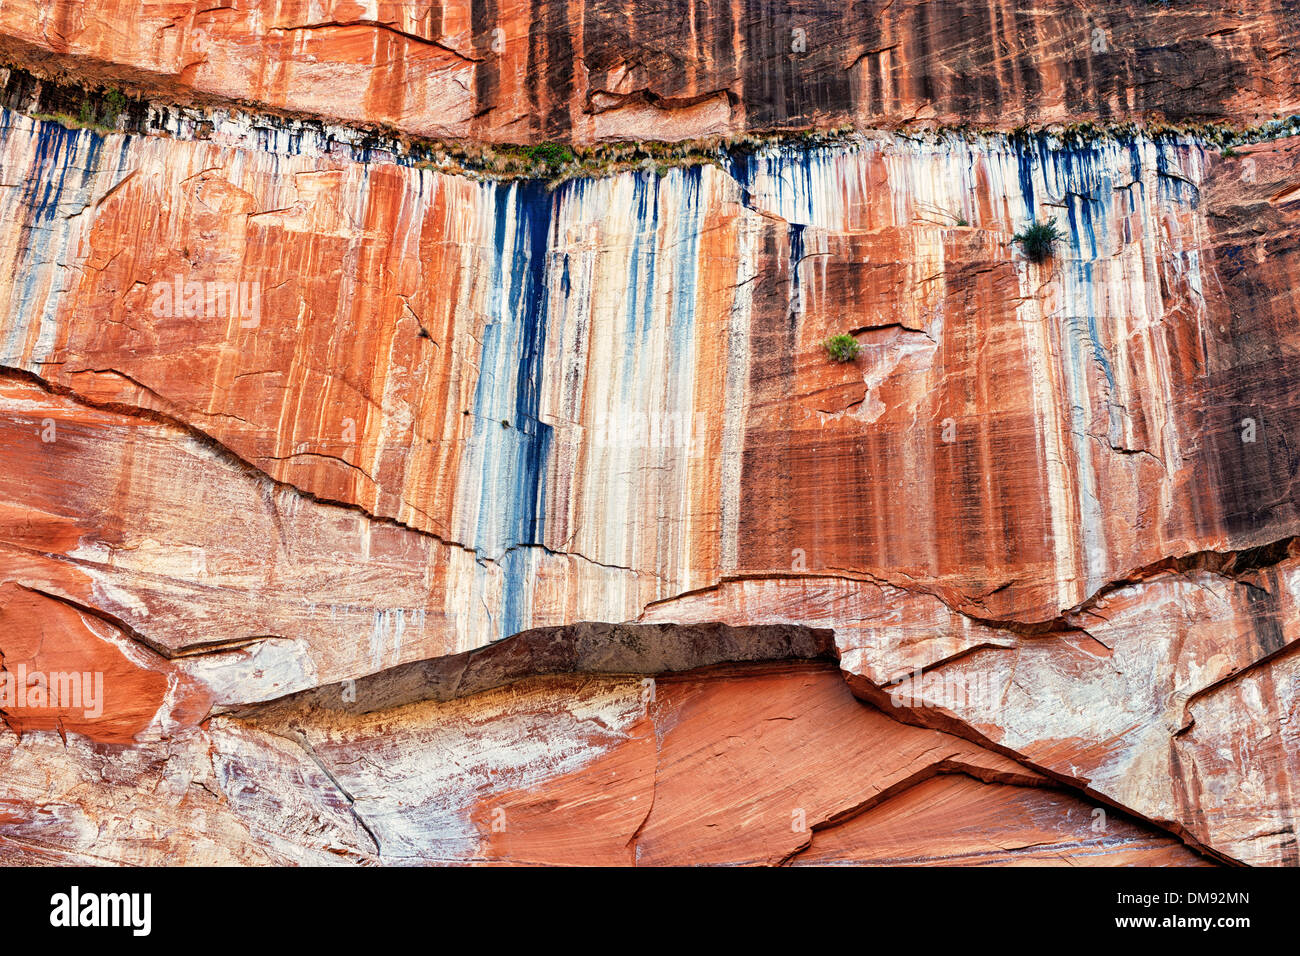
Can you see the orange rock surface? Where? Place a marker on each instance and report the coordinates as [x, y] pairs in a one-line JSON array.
[[599, 69], [408, 516]]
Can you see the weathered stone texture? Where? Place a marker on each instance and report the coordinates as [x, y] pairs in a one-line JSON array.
[[392, 504]]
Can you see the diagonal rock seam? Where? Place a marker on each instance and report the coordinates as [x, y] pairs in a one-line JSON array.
[[643, 650], [950, 766], [299, 740]]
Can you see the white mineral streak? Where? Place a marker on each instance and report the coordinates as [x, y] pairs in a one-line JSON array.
[[737, 394]]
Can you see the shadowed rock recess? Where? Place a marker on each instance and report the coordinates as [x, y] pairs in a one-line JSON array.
[[420, 444]]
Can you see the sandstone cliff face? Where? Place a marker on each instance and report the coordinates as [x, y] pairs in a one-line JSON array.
[[637, 69], [320, 457]]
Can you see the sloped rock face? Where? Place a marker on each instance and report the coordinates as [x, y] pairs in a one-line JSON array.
[[561, 770], [390, 515], [610, 69]]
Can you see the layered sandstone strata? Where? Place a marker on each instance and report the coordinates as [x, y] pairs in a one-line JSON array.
[[399, 510]]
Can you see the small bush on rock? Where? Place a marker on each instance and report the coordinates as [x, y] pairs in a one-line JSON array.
[[1037, 240], [842, 347]]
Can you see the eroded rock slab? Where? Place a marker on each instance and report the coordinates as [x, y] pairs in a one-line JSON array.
[[745, 763]]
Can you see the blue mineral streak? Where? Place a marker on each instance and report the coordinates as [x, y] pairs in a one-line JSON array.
[[61, 182], [511, 457], [686, 266]]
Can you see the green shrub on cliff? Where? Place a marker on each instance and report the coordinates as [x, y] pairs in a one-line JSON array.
[[114, 105], [1037, 240], [549, 155], [842, 347]]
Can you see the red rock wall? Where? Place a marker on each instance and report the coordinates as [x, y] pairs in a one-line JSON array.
[[598, 70], [317, 455]]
